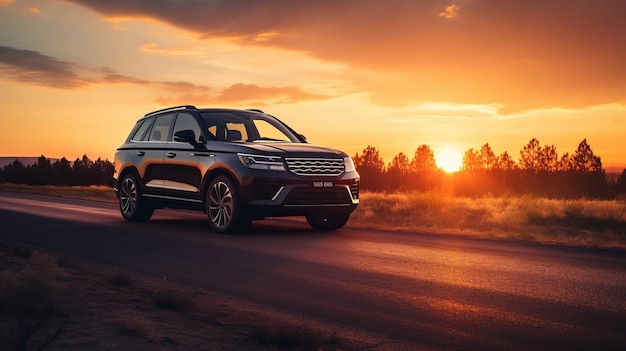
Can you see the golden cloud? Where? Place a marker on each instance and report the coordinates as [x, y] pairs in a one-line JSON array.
[[450, 11]]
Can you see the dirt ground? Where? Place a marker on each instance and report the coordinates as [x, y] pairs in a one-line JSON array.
[[54, 302]]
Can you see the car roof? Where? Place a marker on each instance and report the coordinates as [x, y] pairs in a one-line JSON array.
[[194, 108]]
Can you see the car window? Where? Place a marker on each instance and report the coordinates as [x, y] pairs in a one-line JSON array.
[[140, 131], [236, 132], [161, 128], [268, 131], [186, 121], [243, 126]]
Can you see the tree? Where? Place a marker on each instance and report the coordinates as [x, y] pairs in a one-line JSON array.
[[471, 160], [565, 163], [398, 172], [81, 170], [370, 166], [423, 160], [487, 158], [400, 165], [42, 172], [584, 160], [530, 155], [505, 162], [63, 168], [16, 172], [621, 183], [548, 159], [102, 172]]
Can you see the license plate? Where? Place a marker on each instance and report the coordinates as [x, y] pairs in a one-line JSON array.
[[322, 184]]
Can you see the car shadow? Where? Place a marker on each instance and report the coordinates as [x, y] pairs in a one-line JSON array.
[[192, 221]]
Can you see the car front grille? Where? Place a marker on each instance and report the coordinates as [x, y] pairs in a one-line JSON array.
[[316, 166]]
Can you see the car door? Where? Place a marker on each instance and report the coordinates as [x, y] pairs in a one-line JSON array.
[[149, 155], [182, 178]]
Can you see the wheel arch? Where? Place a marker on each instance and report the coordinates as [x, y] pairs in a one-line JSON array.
[[214, 173], [127, 170]]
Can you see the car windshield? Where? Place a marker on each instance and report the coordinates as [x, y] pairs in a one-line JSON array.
[[238, 126]]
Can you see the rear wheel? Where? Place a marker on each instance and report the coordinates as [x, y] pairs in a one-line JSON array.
[[224, 208], [132, 205], [327, 222]]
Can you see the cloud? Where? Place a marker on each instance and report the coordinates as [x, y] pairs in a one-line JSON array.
[[32, 67], [6, 2], [450, 11], [155, 48], [251, 92], [518, 53]]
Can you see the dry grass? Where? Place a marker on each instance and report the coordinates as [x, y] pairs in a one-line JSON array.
[[32, 303], [582, 222], [136, 325]]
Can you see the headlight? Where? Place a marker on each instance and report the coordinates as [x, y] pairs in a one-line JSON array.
[[272, 163], [349, 164]]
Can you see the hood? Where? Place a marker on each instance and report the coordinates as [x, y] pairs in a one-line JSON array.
[[292, 149]]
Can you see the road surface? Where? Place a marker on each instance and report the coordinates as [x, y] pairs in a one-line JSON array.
[[398, 290]]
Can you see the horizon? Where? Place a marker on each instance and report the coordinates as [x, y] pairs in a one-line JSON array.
[[78, 74], [5, 160]]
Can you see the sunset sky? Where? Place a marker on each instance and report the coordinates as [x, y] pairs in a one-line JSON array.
[[394, 74]]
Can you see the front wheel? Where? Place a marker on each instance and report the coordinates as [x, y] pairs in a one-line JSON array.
[[327, 222], [224, 208], [132, 206]]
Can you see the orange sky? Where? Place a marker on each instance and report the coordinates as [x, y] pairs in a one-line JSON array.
[[76, 75]]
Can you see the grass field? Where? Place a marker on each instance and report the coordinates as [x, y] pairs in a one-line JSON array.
[[581, 222]]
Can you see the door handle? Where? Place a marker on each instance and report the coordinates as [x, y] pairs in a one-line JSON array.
[[140, 153], [171, 155]]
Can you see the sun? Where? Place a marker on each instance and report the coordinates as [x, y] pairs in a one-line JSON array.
[[449, 160]]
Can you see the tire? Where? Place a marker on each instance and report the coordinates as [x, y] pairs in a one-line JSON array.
[[327, 222], [224, 208], [133, 206]]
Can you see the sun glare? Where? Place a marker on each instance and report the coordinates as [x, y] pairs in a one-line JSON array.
[[449, 160]]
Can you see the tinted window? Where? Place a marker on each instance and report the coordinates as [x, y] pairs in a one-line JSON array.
[[185, 121], [236, 126], [161, 129], [140, 132]]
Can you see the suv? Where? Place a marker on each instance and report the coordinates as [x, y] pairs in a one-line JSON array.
[[235, 165]]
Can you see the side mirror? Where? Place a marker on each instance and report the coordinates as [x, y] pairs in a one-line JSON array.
[[302, 137], [186, 136]]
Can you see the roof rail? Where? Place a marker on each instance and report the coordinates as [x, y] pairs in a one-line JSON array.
[[173, 108], [255, 110]]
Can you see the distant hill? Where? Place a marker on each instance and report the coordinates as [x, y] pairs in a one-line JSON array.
[[5, 160]]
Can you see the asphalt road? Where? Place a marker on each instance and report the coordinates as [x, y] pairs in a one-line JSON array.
[[393, 290]]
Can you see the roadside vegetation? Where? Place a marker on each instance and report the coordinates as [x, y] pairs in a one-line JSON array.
[[89, 192], [576, 222], [33, 304]]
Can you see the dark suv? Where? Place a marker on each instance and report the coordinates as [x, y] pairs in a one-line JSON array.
[[235, 165]]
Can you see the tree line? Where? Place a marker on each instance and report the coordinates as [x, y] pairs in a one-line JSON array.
[[540, 171], [82, 171]]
